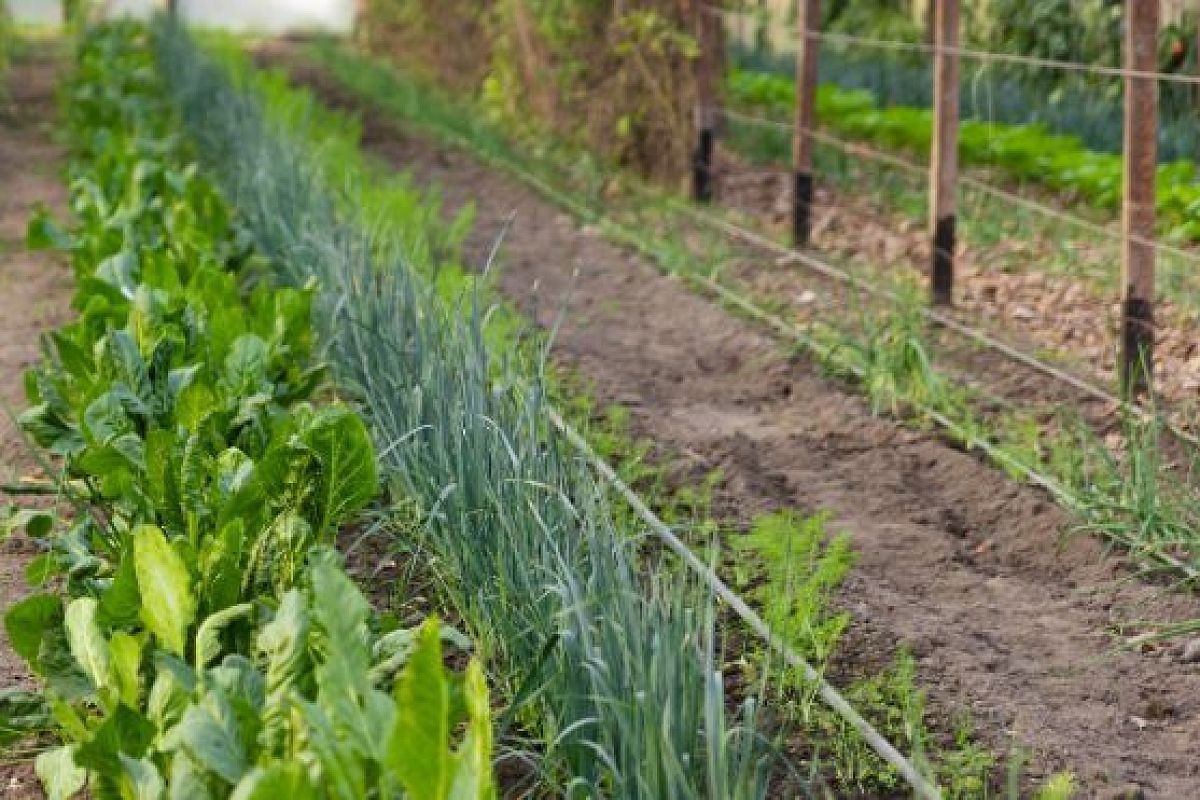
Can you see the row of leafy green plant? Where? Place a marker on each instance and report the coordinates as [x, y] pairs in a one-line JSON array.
[[1024, 152], [1065, 103], [194, 632], [607, 672]]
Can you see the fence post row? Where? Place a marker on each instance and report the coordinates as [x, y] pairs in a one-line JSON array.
[[1137, 208], [807, 52], [943, 157], [709, 29]]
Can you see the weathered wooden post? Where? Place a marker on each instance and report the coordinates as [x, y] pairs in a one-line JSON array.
[[943, 156], [807, 52], [709, 29], [1137, 208]]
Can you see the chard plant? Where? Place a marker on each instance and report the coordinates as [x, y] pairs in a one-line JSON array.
[[194, 634]]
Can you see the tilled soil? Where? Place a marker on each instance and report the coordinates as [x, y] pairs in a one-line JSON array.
[[1033, 307], [34, 297], [1005, 613]]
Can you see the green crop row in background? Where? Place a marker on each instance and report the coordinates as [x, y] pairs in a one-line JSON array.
[[1024, 152]]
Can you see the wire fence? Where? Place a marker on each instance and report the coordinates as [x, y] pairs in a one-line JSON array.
[[1053, 222], [989, 56], [859, 150]]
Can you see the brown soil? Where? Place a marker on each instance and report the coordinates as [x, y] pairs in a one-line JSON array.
[[34, 297], [1004, 285], [1006, 616]]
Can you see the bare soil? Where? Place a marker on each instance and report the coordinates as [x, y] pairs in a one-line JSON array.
[[35, 291], [1006, 614], [1004, 285]]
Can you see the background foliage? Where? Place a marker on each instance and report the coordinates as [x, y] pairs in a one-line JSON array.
[[613, 74]]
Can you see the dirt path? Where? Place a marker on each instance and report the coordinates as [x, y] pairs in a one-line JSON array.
[[34, 296], [1006, 617]]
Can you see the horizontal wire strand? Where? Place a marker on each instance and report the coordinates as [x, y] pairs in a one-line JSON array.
[[977, 55], [856, 149]]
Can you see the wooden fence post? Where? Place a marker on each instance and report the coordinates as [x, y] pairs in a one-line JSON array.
[[1137, 208], [807, 52], [943, 156], [709, 35]]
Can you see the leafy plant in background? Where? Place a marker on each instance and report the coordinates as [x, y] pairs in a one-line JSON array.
[[616, 76], [1066, 102], [1025, 152]]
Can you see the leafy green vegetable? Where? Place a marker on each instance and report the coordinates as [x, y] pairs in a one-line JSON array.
[[203, 640]]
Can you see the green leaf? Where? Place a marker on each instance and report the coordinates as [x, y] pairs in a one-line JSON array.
[[40, 569], [168, 605], [246, 365], [119, 271], [208, 733], [187, 780], [348, 480], [43, 232], [121, 602], [126, 660], [86, 641], [37, 522], [275, 781], [418, 751], [473, 773], [125, 731], [27, 621], [141, 780], [60, 776], [208, 636], [104, 419], [170, 693], [221, 565]]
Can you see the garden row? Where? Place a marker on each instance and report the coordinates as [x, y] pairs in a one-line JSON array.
[[1024, 152], [194, 632]]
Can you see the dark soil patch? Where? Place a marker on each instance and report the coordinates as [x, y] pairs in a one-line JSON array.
[[1006, 617]]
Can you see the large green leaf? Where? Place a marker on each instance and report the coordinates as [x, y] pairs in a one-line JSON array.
[[348, 479], [473, 769], [28, 620], [419, 749], [276, 781], [168, 605], [187, 781], [87, 643], [124, 732], [208, 733], [120, 603], [125, 651], [60, 776], [141, 779], [221, 565], [208, 635], [246, 365]]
